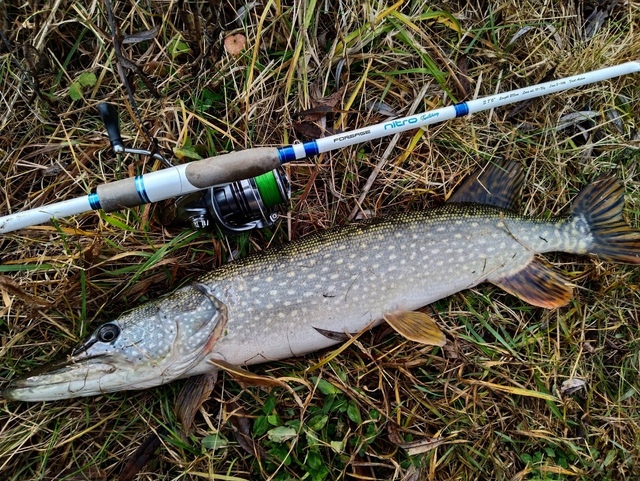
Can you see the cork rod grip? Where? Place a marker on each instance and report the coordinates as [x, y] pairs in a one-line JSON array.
[[232, 167]]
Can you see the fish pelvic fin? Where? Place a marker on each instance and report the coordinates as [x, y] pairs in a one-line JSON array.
[[416, 326], [598, 208], [499, 184], [539, 284]]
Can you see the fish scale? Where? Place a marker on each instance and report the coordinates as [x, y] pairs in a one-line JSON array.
[[313, 292]]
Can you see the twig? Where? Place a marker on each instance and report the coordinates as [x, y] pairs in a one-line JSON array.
[[124, 63]]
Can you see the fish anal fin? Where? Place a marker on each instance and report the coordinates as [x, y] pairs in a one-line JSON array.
[[246, 377], [416, 326], [498, 184], [538, 284]]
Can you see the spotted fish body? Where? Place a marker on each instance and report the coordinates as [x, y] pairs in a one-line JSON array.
[[303, 296], [347, 279]]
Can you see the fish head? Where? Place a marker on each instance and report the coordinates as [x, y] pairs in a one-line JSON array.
[[145, 347]]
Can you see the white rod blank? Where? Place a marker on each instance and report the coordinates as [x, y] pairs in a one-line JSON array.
[[40, 215], [443, 114]]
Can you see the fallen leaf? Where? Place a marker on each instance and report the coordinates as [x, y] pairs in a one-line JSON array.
[[142, 455], [421, 446], [316, 113], [571, 386], [235, 44], [518, 391], [281, 434], [382, 108], [215, 441], [142, 36], [309, 130], [241, 424]]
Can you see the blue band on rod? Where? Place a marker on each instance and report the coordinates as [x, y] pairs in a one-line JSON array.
[[142, 192], [461, 109], [286, 154], [94, 201], [310, 148]]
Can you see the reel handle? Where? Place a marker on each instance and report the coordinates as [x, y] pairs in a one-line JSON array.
[[109, 116]]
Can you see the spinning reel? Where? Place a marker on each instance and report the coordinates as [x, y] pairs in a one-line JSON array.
[[236, 206]]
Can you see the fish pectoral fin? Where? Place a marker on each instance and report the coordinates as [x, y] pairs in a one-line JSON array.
[[246, 377], [416, 326], [539, 284], [194, 393], [498, 184]]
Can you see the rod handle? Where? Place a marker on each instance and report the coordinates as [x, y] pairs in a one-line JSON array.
[[186, 178]]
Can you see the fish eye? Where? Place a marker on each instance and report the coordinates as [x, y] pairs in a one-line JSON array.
[[108, 333]]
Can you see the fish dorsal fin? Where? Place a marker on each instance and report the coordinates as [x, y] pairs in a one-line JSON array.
[[498, 184], [246, 377], [539, 284], [416, 326]]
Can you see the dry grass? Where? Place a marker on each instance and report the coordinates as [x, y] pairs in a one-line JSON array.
[[487, 406]]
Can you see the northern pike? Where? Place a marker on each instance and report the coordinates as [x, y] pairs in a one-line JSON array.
[[303, 296]]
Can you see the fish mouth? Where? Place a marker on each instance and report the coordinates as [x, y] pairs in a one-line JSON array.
[[62, 379]]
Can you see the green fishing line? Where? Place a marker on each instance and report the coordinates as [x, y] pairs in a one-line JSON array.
[[268, 188]]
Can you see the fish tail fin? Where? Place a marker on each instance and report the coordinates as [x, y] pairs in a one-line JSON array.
[[600, 206]]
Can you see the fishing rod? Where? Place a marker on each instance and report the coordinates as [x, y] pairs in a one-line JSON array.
[[234, 168]]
